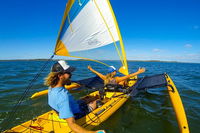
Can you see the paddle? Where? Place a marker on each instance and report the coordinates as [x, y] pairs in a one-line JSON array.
[[45, 92]]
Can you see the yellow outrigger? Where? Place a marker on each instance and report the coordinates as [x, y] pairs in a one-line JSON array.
[[45, 92], [177, 105]]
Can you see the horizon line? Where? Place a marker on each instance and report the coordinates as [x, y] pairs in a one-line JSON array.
[[43, 59]]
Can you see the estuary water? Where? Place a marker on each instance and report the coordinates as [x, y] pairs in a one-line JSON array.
[[149, 111]]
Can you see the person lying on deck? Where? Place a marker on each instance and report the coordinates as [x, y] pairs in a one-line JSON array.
[[62, 101], [110, 77]]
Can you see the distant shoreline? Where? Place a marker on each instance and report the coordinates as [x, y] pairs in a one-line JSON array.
[[100, 60]]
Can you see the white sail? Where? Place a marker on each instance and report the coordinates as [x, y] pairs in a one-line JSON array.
[[87, 25]]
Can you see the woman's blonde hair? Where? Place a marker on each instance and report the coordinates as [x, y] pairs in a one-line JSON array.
[[52, 79], [108, 78]]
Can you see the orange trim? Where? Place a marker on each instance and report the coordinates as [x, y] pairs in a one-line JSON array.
[[61, 49]]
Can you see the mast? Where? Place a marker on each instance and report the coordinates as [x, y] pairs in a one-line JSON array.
[[120, 39]]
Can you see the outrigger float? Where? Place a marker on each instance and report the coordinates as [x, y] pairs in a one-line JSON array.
[[89, 24]]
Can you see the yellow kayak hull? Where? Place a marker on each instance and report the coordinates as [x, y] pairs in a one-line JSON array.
[[50, 121]]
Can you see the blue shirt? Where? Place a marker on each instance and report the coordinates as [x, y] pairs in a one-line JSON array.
[[63, 102]]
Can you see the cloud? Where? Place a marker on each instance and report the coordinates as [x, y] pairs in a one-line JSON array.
[[190, 57], [156, 50], [194, 56], [188, 46]]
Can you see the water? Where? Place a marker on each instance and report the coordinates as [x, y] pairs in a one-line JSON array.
[[150, 111]]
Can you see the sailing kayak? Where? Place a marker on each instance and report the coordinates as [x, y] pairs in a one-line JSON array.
[[50, 121], [112, 101]]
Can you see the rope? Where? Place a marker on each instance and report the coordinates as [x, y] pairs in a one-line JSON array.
[[90, 60], [87, 114], [10, 117], [110, 34], [79, 2], [69, 23], [120, 37], [52, 122]]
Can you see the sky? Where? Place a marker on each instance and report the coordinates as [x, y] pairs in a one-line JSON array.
[[151, 30]]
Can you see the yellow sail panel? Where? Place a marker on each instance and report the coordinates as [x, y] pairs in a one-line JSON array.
[[83, 27], [61, 49]]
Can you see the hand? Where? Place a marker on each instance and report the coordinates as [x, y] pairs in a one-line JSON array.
[[141, 70], [89, 67], [100, 131]]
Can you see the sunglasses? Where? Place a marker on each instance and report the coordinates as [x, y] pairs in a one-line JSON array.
[[70, 75]]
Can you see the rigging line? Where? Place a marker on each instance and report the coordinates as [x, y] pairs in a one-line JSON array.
[[110, 33], [16, 106], [90, 60], [26, 128], [34, 130], [67, 9], [120, 37], [69, 23], [52, 122], [79, 2], [88, 114]]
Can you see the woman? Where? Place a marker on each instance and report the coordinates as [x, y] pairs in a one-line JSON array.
[[110, 77]]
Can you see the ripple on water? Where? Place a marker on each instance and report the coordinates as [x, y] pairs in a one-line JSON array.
[[149, 111]]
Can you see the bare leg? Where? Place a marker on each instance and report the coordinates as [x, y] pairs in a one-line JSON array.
[[93, 104]]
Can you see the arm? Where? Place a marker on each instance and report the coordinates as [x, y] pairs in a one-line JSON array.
[[78, 129], [66, 113], [140, 70], [97, 73], [75, 127]]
